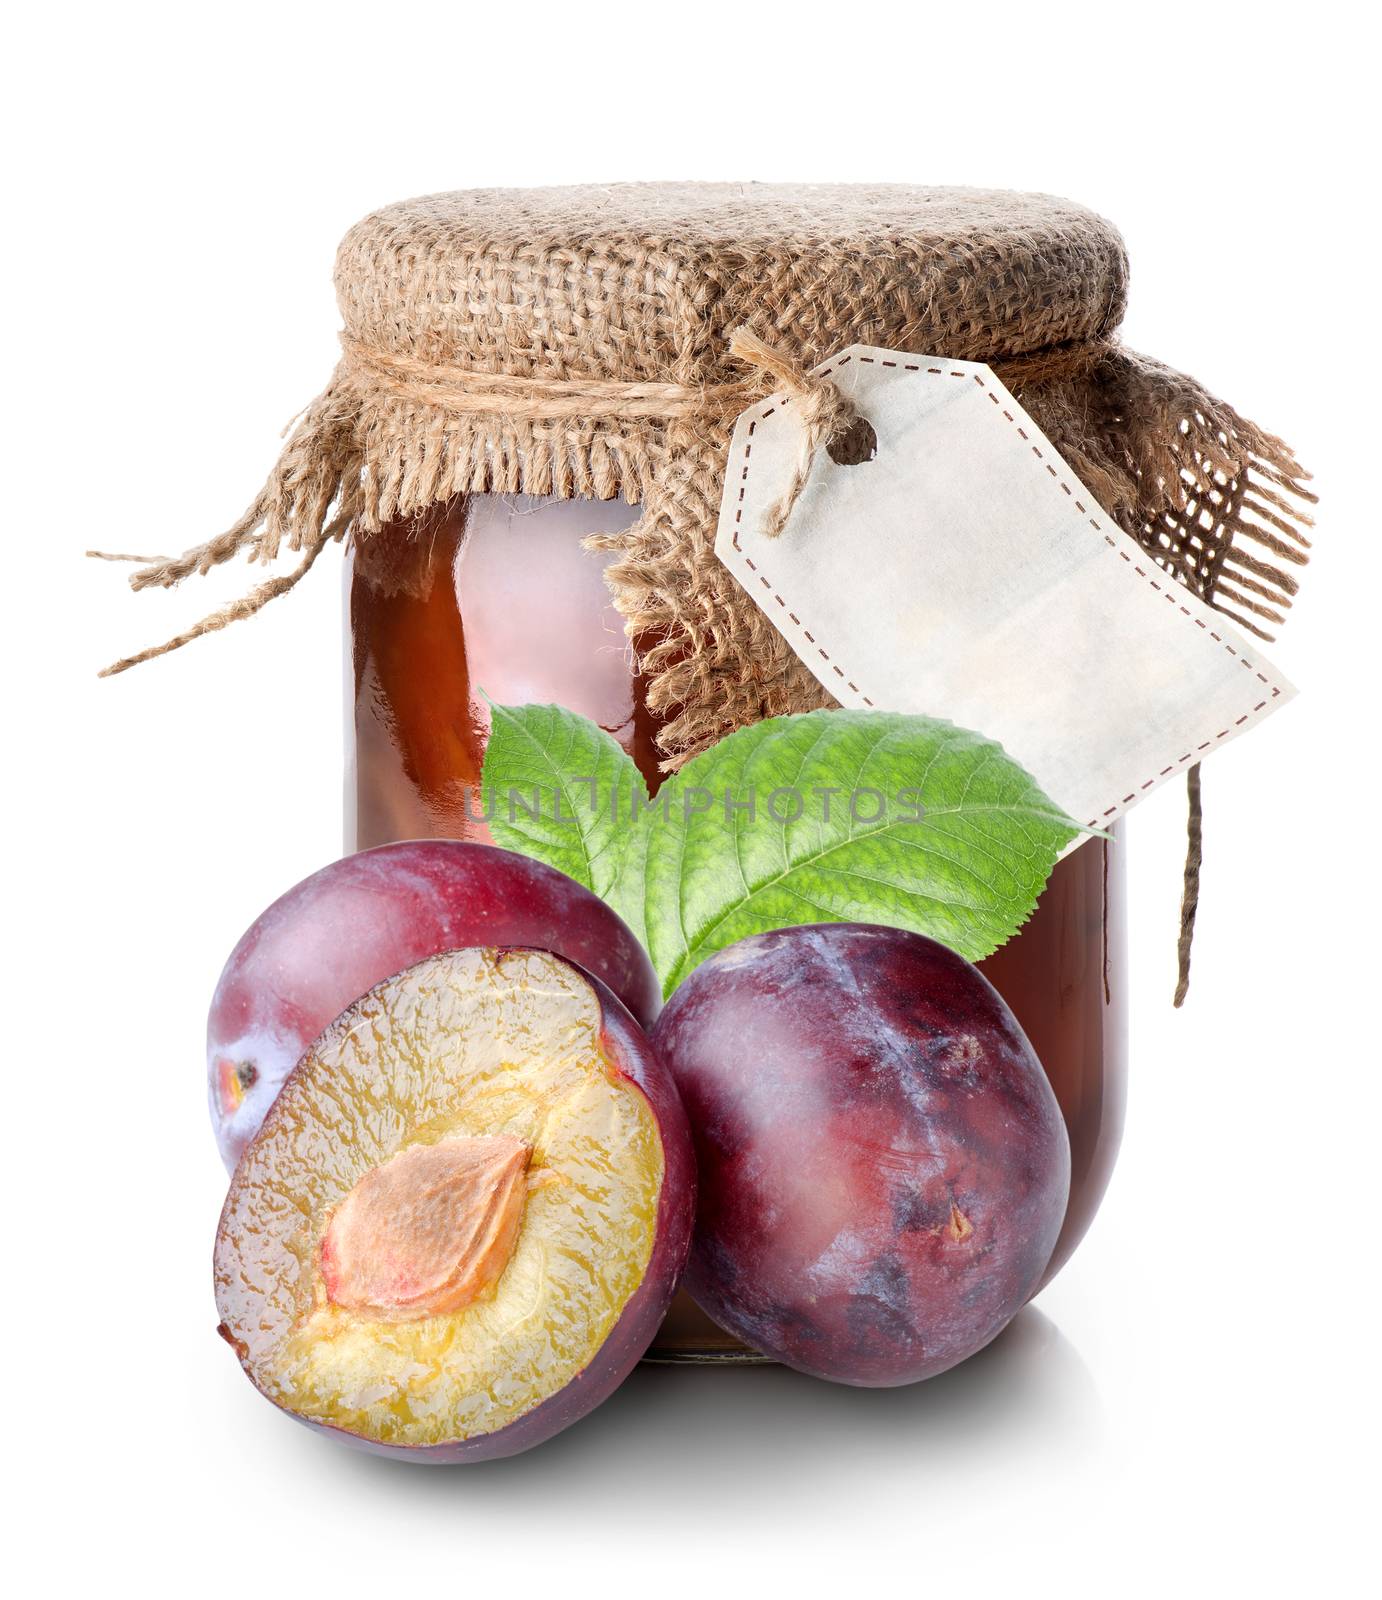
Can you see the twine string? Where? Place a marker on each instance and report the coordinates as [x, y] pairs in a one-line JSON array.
[[300, 481], [1190, 889], [119, 555], [462, 391], [345, 469], [825, 415]]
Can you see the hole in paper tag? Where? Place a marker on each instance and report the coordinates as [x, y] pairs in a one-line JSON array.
[[968, 574], [856, 445]]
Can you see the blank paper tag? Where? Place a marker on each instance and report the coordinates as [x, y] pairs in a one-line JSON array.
[[966, 573]]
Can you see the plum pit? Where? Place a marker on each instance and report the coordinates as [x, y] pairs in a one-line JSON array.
[[428, 1231]]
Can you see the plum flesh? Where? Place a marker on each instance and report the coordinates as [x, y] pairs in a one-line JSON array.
[[883, 1168], [470, 1072], [360, 920]]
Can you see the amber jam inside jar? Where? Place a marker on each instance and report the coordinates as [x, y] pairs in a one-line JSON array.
[[495, 596]]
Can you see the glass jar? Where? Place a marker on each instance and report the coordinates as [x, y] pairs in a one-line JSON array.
[[494, 596]]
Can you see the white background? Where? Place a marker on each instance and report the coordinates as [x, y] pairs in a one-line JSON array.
[[1193, 1405]]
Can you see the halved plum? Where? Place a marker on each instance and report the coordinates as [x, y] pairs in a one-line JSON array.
[[358, 921], [465, 1214]]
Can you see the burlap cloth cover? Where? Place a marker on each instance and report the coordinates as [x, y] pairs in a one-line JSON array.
[[573, 342]]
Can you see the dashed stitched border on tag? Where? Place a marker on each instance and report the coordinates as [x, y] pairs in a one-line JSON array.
[[1168, 589]]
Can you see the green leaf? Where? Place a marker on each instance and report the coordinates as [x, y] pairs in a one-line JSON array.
[[967, 873], [627, 894], [560, 789], [835, 816]]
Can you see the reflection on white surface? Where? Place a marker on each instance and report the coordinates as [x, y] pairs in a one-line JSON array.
[[698, 1438]]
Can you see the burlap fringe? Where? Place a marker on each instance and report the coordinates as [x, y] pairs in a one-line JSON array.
[[1213, 498], [1218, 502], [356, 459]]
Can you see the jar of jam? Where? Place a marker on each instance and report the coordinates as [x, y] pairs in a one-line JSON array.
[[495, 597], [522, 369]]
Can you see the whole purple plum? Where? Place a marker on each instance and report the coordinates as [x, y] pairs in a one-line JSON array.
[[883, 1166], [360, 920]]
